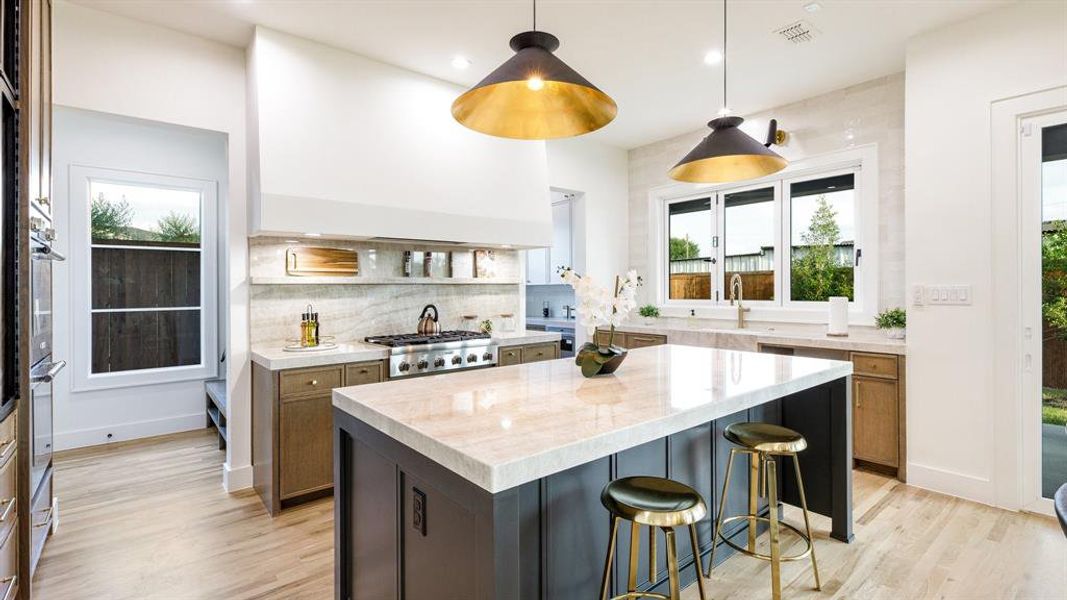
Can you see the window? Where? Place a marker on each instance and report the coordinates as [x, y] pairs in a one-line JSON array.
[[793, 240], [690, 251], [150, 288]]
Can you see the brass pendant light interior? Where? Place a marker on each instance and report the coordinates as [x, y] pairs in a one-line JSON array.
[[534, 95], [727, 153]]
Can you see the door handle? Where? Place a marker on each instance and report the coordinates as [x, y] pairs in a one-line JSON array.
[[47, 253], [49, 374]]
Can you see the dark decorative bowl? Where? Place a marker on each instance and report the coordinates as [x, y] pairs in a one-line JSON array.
[[599, 360]]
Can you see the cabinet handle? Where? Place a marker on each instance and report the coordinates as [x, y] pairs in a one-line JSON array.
[[47, 518], [10, 502], [859, 385], [12, 585], [7, 451]]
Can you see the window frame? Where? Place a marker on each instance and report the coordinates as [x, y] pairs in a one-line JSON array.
[[860, 160], [83, 379]]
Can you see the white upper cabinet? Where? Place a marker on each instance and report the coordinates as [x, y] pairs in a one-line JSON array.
[[542, 264], [346, 146]]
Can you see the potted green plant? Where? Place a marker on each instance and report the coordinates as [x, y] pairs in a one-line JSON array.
[[892, 321], [649, 312], [597, 307]]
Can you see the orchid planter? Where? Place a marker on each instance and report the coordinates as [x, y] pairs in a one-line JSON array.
[[597, 307]]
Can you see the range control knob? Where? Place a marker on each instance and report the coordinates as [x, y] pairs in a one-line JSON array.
[[472, 358], [403, 367], [487, 356], [439, 362], [423, 364], [457, 359]]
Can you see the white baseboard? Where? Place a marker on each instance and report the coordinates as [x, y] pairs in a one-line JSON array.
[[237, 478], [80, 438], [952, 483]]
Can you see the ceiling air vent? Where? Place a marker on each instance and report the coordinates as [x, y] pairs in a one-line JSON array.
[[800, 32]]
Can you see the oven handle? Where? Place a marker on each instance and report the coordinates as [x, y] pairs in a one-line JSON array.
[[50, 374], [47, 253]]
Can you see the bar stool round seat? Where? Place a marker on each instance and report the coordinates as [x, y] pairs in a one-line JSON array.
[[654, 501], [765, 437]]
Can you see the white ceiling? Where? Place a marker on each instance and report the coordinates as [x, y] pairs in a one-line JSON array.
[[648, 55]]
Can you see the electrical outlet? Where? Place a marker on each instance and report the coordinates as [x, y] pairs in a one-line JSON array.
[[918, 295], [418, 510]]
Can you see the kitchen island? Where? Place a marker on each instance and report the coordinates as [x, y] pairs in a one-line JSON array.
[[486, 484]]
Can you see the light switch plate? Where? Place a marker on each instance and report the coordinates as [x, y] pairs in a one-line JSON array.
[[918, 294], [949, 295]]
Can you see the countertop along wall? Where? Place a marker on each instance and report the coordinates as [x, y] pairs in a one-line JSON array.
[[871, 112]]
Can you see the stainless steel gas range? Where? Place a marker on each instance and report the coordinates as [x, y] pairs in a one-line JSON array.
[[417, 354]]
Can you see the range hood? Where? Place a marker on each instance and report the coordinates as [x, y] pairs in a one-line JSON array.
[[348, 147]]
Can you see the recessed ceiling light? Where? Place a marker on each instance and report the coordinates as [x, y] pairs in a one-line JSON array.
[[813, 7], [713, 57], [460, 62], [313, 234]]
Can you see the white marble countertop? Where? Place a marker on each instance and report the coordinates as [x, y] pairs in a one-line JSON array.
[[503, 427], [721, 333], [274, 358]]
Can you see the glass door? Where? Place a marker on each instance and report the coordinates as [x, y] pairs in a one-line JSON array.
[[1043, 260]]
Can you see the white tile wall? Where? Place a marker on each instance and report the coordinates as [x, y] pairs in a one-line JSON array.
[[872, 112]]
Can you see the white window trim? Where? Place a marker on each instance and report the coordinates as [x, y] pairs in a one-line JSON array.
[[861, 159], [80, 270]]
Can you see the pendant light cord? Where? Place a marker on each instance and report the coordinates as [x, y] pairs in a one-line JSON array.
[[535, 15], [725, 37]]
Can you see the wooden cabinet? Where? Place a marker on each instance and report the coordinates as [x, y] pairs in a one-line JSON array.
[[879, 439], [630, 340], [529, 353], [511, 355], [292, 429], [540, 352]]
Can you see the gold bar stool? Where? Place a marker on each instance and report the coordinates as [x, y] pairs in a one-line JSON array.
[[654, 502], [763, 441]]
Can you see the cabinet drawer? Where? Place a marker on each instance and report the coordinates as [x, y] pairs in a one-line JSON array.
[[303, 381], [643, 340], [40, 520], [539, 352], [9, 560], [509, 356], [362, 373], [874, 365]]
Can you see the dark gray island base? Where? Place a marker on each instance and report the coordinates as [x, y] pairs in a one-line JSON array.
[[407, 527]]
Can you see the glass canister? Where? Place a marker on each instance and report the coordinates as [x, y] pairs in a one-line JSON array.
[[469, 323], [507, 322]]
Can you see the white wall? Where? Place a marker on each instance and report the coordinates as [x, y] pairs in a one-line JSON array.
[[85, 418], [111, 64], [954, 75], [600, 215], [375, 147]]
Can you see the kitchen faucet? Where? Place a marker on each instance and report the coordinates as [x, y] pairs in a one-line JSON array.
[[567, 310], [737, 292]]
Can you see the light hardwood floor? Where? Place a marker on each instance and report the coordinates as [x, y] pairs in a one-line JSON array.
[[149, 520]]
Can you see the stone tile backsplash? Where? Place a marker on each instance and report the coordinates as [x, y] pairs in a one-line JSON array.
[[354, 311]]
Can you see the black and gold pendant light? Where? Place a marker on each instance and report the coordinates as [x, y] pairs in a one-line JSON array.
[[534, 95], [727, 153]]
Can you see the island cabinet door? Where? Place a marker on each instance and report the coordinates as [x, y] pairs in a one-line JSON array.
[[438, 544], [690, 456], [577, 528]]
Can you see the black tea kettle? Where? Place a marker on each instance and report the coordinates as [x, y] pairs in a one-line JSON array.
[[428, 325]]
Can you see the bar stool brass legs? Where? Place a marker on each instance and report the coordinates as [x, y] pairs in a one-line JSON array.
[[763, 442], [645, 501]]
